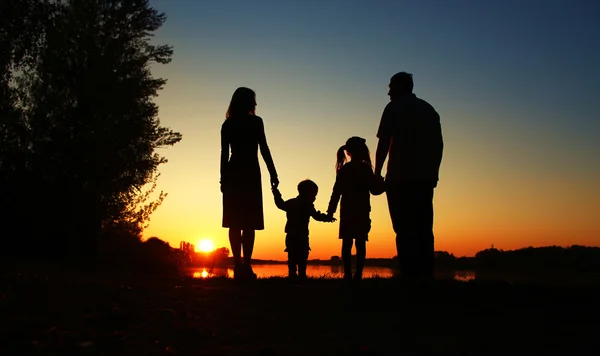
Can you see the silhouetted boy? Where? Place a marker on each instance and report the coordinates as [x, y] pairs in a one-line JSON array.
[[298, 212]]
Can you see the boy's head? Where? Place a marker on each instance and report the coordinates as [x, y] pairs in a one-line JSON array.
[[308, 190]]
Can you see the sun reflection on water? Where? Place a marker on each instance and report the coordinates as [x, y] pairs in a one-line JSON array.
[[204, 273], [280, 270]]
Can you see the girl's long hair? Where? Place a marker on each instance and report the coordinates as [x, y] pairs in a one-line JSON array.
[[341, 158], [357, 148], [243, 102]]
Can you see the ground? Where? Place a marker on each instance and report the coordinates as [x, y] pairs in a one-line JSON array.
[[65, 313]]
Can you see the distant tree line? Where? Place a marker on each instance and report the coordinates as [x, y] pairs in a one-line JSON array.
[[544, 259], [550, 258], [557, 258], [78, 128]]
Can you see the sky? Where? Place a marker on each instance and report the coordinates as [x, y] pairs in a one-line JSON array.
[[515, 83]]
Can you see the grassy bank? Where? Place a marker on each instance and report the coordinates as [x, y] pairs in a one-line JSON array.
[[65, 312]]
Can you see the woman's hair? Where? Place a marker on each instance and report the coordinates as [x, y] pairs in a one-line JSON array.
[[357, 148], [243, 102]]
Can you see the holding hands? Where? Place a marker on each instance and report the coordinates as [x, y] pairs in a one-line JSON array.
[[274, 182], [378, 186], [275, 191]]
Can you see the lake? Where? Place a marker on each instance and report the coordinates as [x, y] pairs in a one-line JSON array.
[[280, 270]]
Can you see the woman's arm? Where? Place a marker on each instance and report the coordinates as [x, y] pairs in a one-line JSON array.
[[224, 156], [266, 152]]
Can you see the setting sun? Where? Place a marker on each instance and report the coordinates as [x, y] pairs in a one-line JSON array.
[[205, 246]]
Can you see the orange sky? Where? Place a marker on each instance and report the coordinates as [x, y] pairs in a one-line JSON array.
[[487, 194]]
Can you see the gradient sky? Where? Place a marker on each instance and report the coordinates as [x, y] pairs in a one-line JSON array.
[[516, 84]]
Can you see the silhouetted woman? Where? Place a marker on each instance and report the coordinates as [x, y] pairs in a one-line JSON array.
[[241, 186]]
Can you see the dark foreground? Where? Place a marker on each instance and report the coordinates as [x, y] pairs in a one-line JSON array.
[[63, 313]]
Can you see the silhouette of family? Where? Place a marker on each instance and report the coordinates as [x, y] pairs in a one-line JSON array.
[[409, 133]]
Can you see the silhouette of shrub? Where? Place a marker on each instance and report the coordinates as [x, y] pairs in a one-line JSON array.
[[158, 257]]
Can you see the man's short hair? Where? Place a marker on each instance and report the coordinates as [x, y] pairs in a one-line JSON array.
[[402, 82], [307, 186]]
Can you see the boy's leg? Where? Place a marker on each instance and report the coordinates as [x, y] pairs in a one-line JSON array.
[[289, 248], [302, 260], [291, 264]]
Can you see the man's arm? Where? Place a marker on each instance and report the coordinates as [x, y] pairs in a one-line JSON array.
[[384, 133], [383, 147]]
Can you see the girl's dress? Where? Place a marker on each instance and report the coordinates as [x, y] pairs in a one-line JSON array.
[[353, 184], [240, 173]]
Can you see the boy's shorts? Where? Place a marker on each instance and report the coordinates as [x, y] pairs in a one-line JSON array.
[[295, 242]]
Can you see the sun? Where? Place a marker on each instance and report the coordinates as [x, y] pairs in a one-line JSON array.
[[205, 246]]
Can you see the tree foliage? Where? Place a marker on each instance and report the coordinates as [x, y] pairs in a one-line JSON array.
[[78, 118]]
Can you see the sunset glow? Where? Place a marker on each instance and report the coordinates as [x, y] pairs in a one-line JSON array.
[[205, 246], [519, 167]]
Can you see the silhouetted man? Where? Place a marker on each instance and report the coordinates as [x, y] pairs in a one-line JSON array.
[[410, 131]]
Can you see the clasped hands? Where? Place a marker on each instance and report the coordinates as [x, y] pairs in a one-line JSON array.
[[330, 218]]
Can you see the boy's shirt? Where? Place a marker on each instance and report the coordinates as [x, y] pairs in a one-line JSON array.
[[298, 213]]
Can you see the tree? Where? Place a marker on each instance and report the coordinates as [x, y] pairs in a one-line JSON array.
[[20, 41], [219, 256], [188, 253], [92, 127]]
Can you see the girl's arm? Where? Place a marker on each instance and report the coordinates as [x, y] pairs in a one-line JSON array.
[[319, 216], [336, 194], [266, 152]]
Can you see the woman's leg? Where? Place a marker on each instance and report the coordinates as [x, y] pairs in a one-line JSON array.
[[235, 241], [361, 254], [347, 257], [248, 246]]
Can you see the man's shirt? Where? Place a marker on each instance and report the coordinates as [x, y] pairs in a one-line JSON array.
[[417, 145]]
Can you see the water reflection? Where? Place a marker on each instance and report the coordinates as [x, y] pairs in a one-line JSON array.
[[204, 272], [464, 275], [333, 271]]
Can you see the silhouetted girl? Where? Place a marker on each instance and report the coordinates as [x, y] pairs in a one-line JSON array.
[[354, 184], [241, 186]]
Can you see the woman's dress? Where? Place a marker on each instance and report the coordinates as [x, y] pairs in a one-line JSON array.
[[240, 172]]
